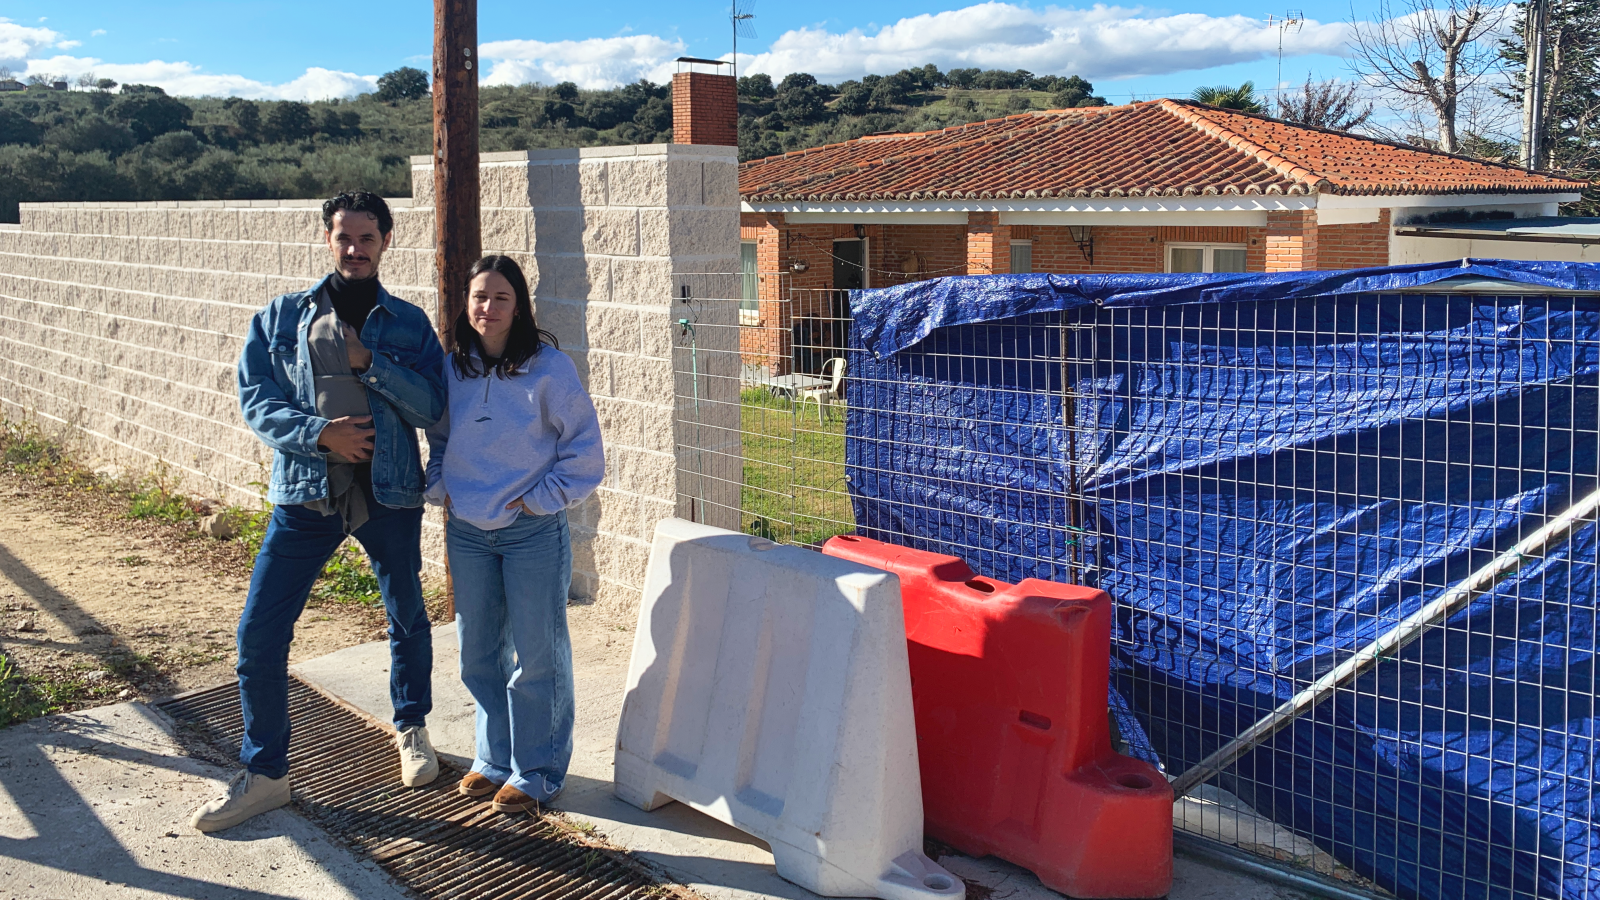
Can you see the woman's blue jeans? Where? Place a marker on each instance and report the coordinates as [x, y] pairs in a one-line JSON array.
[[516, 658]]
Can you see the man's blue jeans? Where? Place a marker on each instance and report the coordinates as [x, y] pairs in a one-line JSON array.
[[516, 658], [298, 544]]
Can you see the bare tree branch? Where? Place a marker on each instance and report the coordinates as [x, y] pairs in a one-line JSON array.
[[1428, 56]]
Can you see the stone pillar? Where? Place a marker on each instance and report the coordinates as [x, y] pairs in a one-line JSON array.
[[1292, 241], [988, 244], [609, 238]]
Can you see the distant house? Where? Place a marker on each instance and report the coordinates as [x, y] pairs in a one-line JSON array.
[[11, 85], [58, 85], [1159, 186]]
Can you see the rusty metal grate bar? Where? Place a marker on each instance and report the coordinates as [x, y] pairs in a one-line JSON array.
[[346, 778]]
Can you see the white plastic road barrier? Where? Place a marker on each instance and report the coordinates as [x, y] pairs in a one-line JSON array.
[[769, 689]]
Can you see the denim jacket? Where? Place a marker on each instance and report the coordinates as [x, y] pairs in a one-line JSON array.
[[405, 387]]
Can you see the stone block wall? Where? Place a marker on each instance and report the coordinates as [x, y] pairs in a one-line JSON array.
[[123, 322]]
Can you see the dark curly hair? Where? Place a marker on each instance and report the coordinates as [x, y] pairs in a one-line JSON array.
[[358, 201], [526, 338]]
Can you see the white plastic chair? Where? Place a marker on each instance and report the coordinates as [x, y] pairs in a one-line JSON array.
[[833, 389]]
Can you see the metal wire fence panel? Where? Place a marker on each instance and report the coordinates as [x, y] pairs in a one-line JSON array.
[[1321, 505]]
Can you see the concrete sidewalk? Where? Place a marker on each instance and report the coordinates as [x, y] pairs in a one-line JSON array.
[[96, 804], [709, 857]]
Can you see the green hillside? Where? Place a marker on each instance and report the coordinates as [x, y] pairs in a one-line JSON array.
[[138, 143]]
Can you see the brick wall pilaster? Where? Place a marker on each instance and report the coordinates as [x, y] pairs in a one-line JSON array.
[[1291, 241], [988, 244]]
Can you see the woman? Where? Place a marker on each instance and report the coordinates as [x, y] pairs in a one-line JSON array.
[[519, 446]]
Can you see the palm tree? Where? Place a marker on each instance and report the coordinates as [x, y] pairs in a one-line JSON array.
[[1241, 98]]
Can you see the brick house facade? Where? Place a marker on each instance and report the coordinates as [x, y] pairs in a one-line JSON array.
[[1150, 187]]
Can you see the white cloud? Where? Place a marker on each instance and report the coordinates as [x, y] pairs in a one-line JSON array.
[[97, 32], [18, 42], [1101, 42], [186, 79], [592, 63]]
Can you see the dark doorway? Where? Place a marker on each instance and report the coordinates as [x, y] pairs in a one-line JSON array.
[[822, 335], [849, 271]]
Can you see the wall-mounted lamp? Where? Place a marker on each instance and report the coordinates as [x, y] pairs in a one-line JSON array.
[[798, 266], [1083, 236], [861, 232]]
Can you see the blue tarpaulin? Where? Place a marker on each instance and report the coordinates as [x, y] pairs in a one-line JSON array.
[[1266, 472]]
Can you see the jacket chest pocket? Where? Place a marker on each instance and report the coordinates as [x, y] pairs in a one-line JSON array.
[[285, 363]]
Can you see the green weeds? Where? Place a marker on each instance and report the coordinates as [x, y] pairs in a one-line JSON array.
[[18, 701], [348, 579], [153, 498]]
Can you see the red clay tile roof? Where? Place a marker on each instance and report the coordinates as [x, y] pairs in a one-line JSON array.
[[1160, 148]]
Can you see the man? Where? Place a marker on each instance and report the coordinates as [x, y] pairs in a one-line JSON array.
[[335, 380]]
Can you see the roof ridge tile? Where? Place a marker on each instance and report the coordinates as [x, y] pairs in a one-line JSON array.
[[1286, 167]]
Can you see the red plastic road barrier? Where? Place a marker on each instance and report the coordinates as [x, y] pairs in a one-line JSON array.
[[1010, 688]]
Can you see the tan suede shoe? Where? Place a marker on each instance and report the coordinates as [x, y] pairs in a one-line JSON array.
[[511, 800], [475, 786]]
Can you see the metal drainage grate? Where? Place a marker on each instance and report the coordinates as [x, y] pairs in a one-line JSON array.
[[346, 778]]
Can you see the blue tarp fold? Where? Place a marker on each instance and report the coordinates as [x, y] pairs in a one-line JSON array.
[[1273, 471], [891, 319]]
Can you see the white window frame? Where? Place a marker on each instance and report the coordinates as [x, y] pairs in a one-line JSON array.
[[750, 309], [1025, 242], [1207, 260]]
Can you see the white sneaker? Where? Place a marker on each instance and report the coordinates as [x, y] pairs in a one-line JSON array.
[[418, 764], [248, 795]]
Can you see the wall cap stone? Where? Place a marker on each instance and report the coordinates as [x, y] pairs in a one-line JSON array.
[[310, 203], [568, 154]]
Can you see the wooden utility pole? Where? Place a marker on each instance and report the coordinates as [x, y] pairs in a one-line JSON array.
[[457, 240]]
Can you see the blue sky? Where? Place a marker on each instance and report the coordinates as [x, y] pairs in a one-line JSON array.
[[305, 50]]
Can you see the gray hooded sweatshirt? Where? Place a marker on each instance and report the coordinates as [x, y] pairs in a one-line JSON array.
[[532, 436]]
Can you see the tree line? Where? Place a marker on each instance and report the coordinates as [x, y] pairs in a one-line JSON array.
[[136, 142], [106, 141], [1429, 86]]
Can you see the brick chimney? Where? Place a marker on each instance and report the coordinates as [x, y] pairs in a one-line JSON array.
[[705, 109]]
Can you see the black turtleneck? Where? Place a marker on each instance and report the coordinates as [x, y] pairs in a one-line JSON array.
[[353, 300]]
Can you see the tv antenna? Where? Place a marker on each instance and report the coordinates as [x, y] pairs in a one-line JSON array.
[[1291, 21], [743, 12]]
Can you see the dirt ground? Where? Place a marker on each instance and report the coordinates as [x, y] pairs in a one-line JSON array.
[[96, 607]]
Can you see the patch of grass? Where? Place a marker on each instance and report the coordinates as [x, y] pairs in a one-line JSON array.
[[132, 561], [154, 498], [18, 701], [130, 665], [348, 579], [794, 488], [28, 449], [252, 527], [24, 696]]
